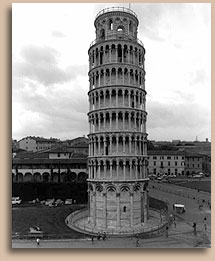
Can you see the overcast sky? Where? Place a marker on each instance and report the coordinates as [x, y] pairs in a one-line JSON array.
[[50, 45]]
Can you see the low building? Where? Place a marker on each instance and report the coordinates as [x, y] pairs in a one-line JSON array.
[[169, 162], [196, 163], [58, 165], [32, 143]]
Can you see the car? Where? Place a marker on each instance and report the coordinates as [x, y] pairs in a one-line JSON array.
[[59, 202], [68, 201], [16, 200], [49, 201], [35, 231], [197, 176], [52, 205], [179, 208]]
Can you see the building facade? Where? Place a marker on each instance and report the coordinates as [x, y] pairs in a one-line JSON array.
[[57, 166], [36, 143], [117, 161], [196, 163], [169, 162]]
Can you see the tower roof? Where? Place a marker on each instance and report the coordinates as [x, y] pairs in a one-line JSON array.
[[116, 9]]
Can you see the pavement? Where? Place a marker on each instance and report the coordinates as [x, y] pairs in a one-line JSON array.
[[180, 235]]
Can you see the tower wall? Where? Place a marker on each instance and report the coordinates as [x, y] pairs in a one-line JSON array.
[[117, 115]]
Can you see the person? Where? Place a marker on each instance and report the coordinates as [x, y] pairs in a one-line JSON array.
[[92, 238], [194, 228], [167, 228], [104, 236], [137, 243], [98, 236], [205, 223], [38, 241]]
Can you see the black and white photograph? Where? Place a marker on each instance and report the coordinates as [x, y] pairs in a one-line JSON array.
[[111, 125]]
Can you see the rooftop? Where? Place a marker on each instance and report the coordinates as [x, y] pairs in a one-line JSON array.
[[165, 152], [115, 9]]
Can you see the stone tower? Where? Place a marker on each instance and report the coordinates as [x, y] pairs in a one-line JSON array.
[[117, 184]]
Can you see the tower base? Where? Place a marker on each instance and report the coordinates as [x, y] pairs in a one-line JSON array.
[[81, 222]]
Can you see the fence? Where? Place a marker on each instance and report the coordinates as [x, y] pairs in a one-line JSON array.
[[73, 218], [179, 193]]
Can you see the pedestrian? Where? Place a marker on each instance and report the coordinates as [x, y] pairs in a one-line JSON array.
[[104, 236], [194, 228], [92, 238], [38, 241], [98, 236], [137, 243], [167, 228], [205, 223]]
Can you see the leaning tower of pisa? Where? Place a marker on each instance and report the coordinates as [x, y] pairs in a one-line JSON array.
[[117, 183]]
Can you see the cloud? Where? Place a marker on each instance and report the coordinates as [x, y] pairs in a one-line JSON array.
[[198, 77], [60, 111], [165, 120], [41, 64], [58, 34]]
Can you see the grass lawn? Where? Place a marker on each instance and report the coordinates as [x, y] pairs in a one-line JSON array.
[[50, 220], [195, 184]]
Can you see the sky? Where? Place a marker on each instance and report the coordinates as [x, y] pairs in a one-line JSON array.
[[50, 82]]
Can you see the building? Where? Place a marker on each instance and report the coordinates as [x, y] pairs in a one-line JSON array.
[[169, 162], [196, 163], [32, 143], [59, 165], [117, 161]]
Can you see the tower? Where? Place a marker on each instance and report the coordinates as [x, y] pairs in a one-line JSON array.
[[117, 183]]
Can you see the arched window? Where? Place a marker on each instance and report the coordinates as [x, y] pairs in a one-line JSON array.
[[110, 24], [124, 209], [120, 28], [102, 34], [130, 26]]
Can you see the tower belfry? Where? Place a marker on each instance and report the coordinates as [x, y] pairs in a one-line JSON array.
[[117, 162]]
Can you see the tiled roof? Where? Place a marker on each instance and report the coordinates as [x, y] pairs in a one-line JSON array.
[[165, 152], [49, 161], [31, 155]]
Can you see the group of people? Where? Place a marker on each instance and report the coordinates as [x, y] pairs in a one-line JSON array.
[[100, 236]]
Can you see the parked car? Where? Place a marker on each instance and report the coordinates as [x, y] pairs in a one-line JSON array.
[[49, 201], [68, 201], [35, 231], [59, 202], [16, 200], [197, 176], [179, 208]]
